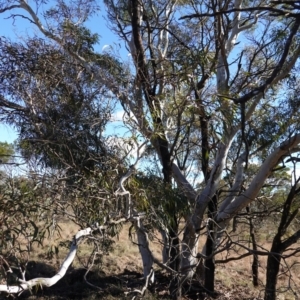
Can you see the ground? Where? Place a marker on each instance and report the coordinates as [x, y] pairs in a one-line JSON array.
[[120, 274]]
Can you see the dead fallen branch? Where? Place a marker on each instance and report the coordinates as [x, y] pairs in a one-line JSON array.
[[27, 285]]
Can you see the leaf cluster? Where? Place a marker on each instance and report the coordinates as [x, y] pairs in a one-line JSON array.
[[163, 203], [6, 151]]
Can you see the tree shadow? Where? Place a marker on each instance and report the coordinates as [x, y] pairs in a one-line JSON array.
[[73, 285]]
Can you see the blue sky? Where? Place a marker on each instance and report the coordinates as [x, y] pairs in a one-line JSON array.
[[10, 28], [16, 28]]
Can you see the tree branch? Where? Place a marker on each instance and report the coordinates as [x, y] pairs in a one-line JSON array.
[[9, 8], [25, 285], [264, 172], [280, 66], [247, 9]]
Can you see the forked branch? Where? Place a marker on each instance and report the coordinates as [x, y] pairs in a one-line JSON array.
[[41, 281]]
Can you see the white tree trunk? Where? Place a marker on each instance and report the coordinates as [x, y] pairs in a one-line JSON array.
[[238, 203], [166, 248], [26, 285], [143, 244], [135, 217], [189, 250], [192, 229], [232, 205]]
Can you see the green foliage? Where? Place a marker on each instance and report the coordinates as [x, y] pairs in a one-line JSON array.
[[163, 203], [23, 206], [79, 38], [82, 41], [6, 151], [93, 196], [70, 112]]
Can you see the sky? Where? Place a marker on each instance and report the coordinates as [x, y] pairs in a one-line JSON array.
[[16, 28]]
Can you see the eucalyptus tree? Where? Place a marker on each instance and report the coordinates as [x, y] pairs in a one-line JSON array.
[[23, 226], [286, 236], [192, 72], [207, 88], [61, 115]]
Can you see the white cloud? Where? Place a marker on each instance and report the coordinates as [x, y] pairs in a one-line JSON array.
[[106, 48], [117, 116], [121, 116]]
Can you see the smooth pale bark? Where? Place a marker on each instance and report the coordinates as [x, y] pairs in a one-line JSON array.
[[123, 192], [232, 205], [191, 233], [189, 250], [192, 229], [211, 186], [166, 249], [237, 204], [147, 257], [182, 182], [135, 217], [233, 192], [238, 181], [26, 285]]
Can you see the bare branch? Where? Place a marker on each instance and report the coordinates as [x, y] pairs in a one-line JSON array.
[[25, 285], [246, 9], [9, 8]]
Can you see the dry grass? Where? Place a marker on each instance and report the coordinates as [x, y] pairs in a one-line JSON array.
[[238, 274], [121, 270]]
